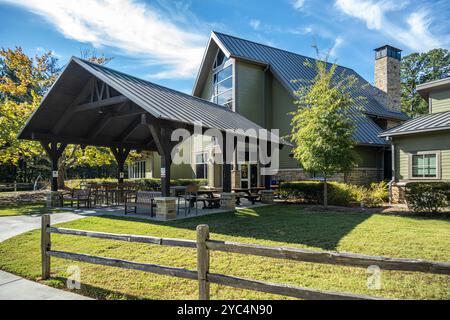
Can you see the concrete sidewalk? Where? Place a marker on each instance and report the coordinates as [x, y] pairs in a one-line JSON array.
[[13, 287], [15, 225], [16, 288]]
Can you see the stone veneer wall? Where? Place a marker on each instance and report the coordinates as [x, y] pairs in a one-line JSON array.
[[359, 176], [398, 193], [387, 79]]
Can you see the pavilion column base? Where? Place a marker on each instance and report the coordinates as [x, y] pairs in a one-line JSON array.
[[235, 179], [54, 199], [166, 208], [228, 201], [267, 196]]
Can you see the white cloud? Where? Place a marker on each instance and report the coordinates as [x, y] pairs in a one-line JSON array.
[[255, 24], [128, 25], [337, 44], [414, 32], [298, 4]]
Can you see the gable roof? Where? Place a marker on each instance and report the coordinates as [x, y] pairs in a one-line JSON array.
[[158, 101], [287, 66], [427, 123]]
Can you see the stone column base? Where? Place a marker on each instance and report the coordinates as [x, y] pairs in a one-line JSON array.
[[398, 193], [54, 199], [228, 201], [267, 196], [166, 208]]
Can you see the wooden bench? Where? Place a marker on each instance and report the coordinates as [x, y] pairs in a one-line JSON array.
[[142, 199], [79, 196]]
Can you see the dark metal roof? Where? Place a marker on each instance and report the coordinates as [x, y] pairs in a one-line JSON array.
[[159, 101], [367, 131], [422, 124], [169, 104], [288, 66], [291, 66]]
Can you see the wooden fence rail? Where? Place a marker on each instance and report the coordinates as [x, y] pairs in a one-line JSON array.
[[203, 247]]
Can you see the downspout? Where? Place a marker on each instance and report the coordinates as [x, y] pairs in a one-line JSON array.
[[393, 169]]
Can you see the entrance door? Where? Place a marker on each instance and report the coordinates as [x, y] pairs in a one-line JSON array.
[[249, 175]]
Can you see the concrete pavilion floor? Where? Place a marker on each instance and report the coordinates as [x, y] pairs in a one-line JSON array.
[[145, 213]]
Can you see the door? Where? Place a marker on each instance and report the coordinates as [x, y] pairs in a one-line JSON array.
[[249, 175], [245, 181]]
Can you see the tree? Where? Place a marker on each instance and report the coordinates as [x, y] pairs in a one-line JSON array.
[[418, 68], [322, 125], [23, 83]]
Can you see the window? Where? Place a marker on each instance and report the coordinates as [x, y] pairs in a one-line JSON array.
[[425, 165], [220, 59], [201, 166], [222, 82], [137, 170]]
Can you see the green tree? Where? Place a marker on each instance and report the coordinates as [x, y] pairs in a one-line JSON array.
[[418, 68], [323, 126], [23, 82]]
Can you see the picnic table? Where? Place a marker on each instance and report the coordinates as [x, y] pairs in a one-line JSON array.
[[251, 194], [210, 202]]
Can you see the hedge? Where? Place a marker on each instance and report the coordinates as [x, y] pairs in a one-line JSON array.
[[427, 197], [141, 184]]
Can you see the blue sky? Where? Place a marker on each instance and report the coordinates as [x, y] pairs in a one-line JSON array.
[[163, 41]]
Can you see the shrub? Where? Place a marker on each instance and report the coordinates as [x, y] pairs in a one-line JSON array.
[[378, 194], [427, 197], [141, 184], [339, 194]]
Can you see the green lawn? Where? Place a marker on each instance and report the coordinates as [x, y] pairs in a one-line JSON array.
[[377, 234], [24, 209]]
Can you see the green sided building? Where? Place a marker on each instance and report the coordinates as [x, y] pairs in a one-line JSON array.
[[421, 146]]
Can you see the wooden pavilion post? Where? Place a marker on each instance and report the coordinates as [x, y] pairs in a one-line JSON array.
[[121, 155], [162, 138], [54, 152]]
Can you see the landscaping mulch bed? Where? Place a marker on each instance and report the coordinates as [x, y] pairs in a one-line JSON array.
[[22, 197]]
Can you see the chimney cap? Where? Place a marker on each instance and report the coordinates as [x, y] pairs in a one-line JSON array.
[[388, 51], [388, 46]]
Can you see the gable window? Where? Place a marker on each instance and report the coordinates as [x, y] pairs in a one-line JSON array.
[[222, 82], [201, 166], [137, 170], [425, 165]]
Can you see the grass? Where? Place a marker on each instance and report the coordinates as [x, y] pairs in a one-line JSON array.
[[19, 209], [376, 234]]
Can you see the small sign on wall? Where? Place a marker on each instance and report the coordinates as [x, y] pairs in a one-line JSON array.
[[121, 175], [163, 172], [55, 174]]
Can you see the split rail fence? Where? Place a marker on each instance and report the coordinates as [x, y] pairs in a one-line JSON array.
[[204, 245]]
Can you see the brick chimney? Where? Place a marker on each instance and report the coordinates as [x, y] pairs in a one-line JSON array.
[[387, 75]]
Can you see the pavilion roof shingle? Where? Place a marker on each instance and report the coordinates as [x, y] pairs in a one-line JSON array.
[[422, 124]]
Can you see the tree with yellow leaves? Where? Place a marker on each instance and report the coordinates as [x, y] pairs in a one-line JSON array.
[[23, 83]]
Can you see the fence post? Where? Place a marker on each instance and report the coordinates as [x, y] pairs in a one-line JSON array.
[[45, 246], [202, 262]]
